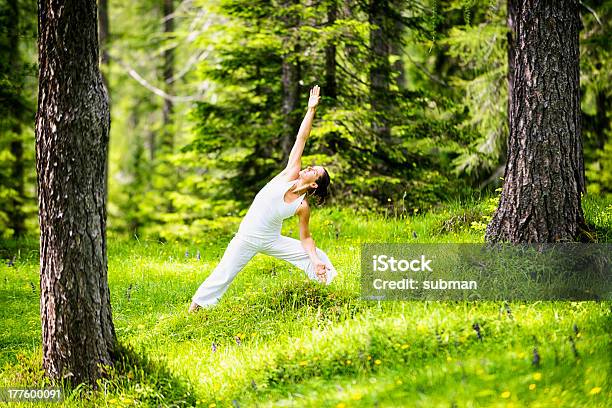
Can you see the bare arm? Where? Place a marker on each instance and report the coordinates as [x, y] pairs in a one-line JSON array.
[[308, 243], [294, 163]]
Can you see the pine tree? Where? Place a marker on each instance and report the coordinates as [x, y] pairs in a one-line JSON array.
[[72, 126], [544, 177]]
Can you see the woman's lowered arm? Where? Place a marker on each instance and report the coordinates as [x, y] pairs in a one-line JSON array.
[[308, 243]]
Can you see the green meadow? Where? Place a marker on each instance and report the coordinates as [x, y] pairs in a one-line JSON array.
[[277, 339]]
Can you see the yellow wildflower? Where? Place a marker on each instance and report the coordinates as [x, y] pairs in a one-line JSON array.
[[532, 387], [377, 362], [595, 390], [537, 376], [505, 394]]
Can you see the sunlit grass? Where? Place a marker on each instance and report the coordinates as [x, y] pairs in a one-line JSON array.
[[279, 339]]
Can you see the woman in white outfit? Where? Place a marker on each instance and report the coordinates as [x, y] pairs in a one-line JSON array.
[[260, 230]]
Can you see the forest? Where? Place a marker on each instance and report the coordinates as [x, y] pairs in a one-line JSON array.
[[135, 138], [205, 98]]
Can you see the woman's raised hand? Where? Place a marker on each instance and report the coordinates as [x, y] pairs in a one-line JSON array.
[[313, 101]]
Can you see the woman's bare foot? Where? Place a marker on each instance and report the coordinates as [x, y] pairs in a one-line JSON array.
[[194, 306]]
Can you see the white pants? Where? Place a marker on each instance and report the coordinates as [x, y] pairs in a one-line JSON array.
[[240, 251]]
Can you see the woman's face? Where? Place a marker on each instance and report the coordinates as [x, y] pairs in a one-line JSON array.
[[310, 174]]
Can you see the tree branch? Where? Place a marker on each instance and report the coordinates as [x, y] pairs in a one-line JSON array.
[[157, 91]]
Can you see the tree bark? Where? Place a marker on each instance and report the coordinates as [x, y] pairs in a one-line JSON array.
[[544, 176], [598, 123], [15, 211], [291, 84], [330, 89], [397, 49], [72, 126], [168, 73], [380, 68]]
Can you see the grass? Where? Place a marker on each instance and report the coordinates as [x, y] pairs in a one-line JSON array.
[[278, 339]]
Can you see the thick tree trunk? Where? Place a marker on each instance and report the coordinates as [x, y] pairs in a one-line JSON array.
[[291, 85], [380, 68], [330, 89], [72, 127], [168, 73], [544, 177]]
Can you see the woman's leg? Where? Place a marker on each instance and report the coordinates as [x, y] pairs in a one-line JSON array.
[[292, 251], [236, 256]]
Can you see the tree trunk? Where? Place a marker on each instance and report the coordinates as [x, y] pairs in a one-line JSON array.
[[330, 89], [72, 126], [380, 68], [15, 213], [598, 123], [397, 50], [291, 84], [15, 210], [168, 73], [544, 177]]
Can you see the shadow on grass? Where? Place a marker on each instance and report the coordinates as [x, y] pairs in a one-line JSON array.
[[18, 249], [134, 378], [592, 232]]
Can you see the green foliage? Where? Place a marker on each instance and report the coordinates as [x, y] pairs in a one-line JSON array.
[[445, 107], [17, 99], [238, 138], [479, 49], [596, 88], [598, 216]]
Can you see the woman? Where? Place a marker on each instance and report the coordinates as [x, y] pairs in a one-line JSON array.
[[260, 230]]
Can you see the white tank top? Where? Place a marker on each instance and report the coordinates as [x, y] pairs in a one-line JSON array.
[[265, 216]]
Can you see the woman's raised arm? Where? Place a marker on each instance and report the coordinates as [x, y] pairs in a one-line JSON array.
[[294, 163]]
